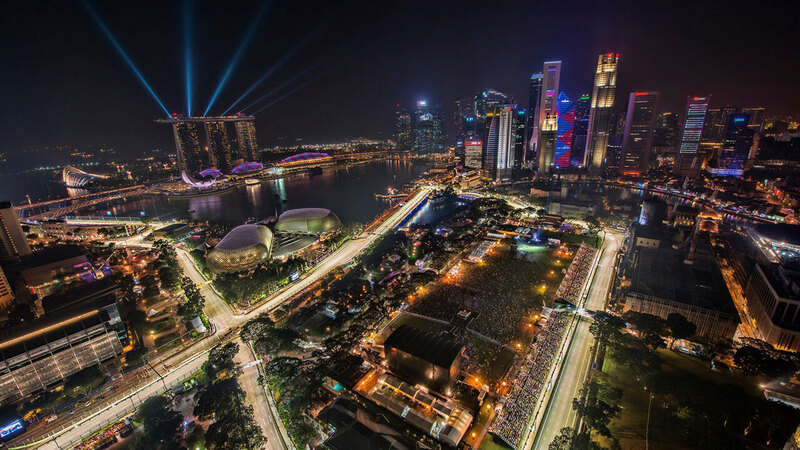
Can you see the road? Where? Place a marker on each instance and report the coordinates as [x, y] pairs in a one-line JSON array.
[[575, 365], [264, 415], [189, 361]]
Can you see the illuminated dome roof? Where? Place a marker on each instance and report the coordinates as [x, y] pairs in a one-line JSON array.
[[303, 157], [308, 220], [247, 167], [74, 177], [242, 248], [197, 183]]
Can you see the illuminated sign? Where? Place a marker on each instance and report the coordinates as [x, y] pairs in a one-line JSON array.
[[10, 429], [422, 103], [739, 119], [473, 143]]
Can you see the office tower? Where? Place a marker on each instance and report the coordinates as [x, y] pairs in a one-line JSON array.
[[603, 91], [520, 140], [566, 123], [637, 140], [716, 120], [191, 157], [428, 129], [12, 238], [665, 137], [402, 128], [6, 293], [246, 134], [473, 154], [498, 153], [756, 118], [548, 116], [463, 119], [487, 100], [690, 158], [582, 107], [219, 147], [531, 127], [738, 147]]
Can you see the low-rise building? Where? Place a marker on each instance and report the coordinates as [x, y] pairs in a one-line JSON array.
[[421, 357]]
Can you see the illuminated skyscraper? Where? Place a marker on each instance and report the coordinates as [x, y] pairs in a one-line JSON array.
[[473, 154], [566, 125], [219, 147], [756, 121], [603, 92], [191, 156], [690, 159], [531, 127], [498, 154], [246, 134], [519, 136], [548, 116], [582, 108], [12, 238], [637, 141], [428, 129], [402, 128], [738, 147]]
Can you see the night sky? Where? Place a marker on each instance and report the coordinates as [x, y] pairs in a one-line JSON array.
[[63, 83]]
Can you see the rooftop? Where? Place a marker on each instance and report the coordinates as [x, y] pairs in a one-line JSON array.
[[305, 213], [437, 349], [245, 236]]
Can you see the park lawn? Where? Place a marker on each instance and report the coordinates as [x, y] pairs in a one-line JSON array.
[[488, 443], [700, 367]]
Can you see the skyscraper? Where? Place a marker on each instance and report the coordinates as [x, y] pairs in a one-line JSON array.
[[690, 158], [665, 137], [463, 119], [582, 107], [738, 147], [219, 147], [531, 126], [566, 124], [428, 129], [12, 238], [498, 154], [191, 157], [548, 116], [756, 121], [473, 154], [520, 141], [637, 141], [6, 293], [402, 128], [246, 134], [605, 87]]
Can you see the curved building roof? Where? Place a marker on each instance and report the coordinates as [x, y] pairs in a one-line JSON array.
[[74, 177], [308, 220], [435, 348], [781, 232], [247, 167], [245, 236], [242, 248]]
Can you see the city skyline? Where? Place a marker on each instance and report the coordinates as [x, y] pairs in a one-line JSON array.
[[401, 70]]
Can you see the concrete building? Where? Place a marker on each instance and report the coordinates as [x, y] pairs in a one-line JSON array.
[[690, 157], [12, 239], [637, 140], [6, 293], [773, 300], [424, 358], [602, 106]]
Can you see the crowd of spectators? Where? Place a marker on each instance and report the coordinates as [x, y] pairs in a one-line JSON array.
[[519, 403], [572, 284]]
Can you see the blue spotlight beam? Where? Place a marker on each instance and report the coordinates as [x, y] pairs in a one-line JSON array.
[[187, 52], [275, 67], [237, 56], [123, 54], [282, 85]]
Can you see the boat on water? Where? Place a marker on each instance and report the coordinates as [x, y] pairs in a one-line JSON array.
[[251, 182]]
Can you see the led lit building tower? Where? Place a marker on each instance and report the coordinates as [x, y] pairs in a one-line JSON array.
[[532, 127], [473, 154], [246, 135], [402, 128], [219, 147], [548, 115], [582, 107], [498, 154], [520, 141], [637, 141], [428, 129], [690, 159], [605, 87], [738, 147], [566, 124], [191, 156]]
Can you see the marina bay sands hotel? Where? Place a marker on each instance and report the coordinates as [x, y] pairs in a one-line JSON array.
[[219, 149]]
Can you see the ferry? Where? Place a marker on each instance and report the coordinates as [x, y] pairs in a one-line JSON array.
[[251, 182]]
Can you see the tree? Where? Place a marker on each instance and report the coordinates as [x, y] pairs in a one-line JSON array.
[[220, 360], [564, 439], [755, 361], [161, 424], [680, 327], [233, 427], [126, 285], [606, 328]]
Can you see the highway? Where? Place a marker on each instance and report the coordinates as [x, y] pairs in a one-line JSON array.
[[189, 361], [575, 365]]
